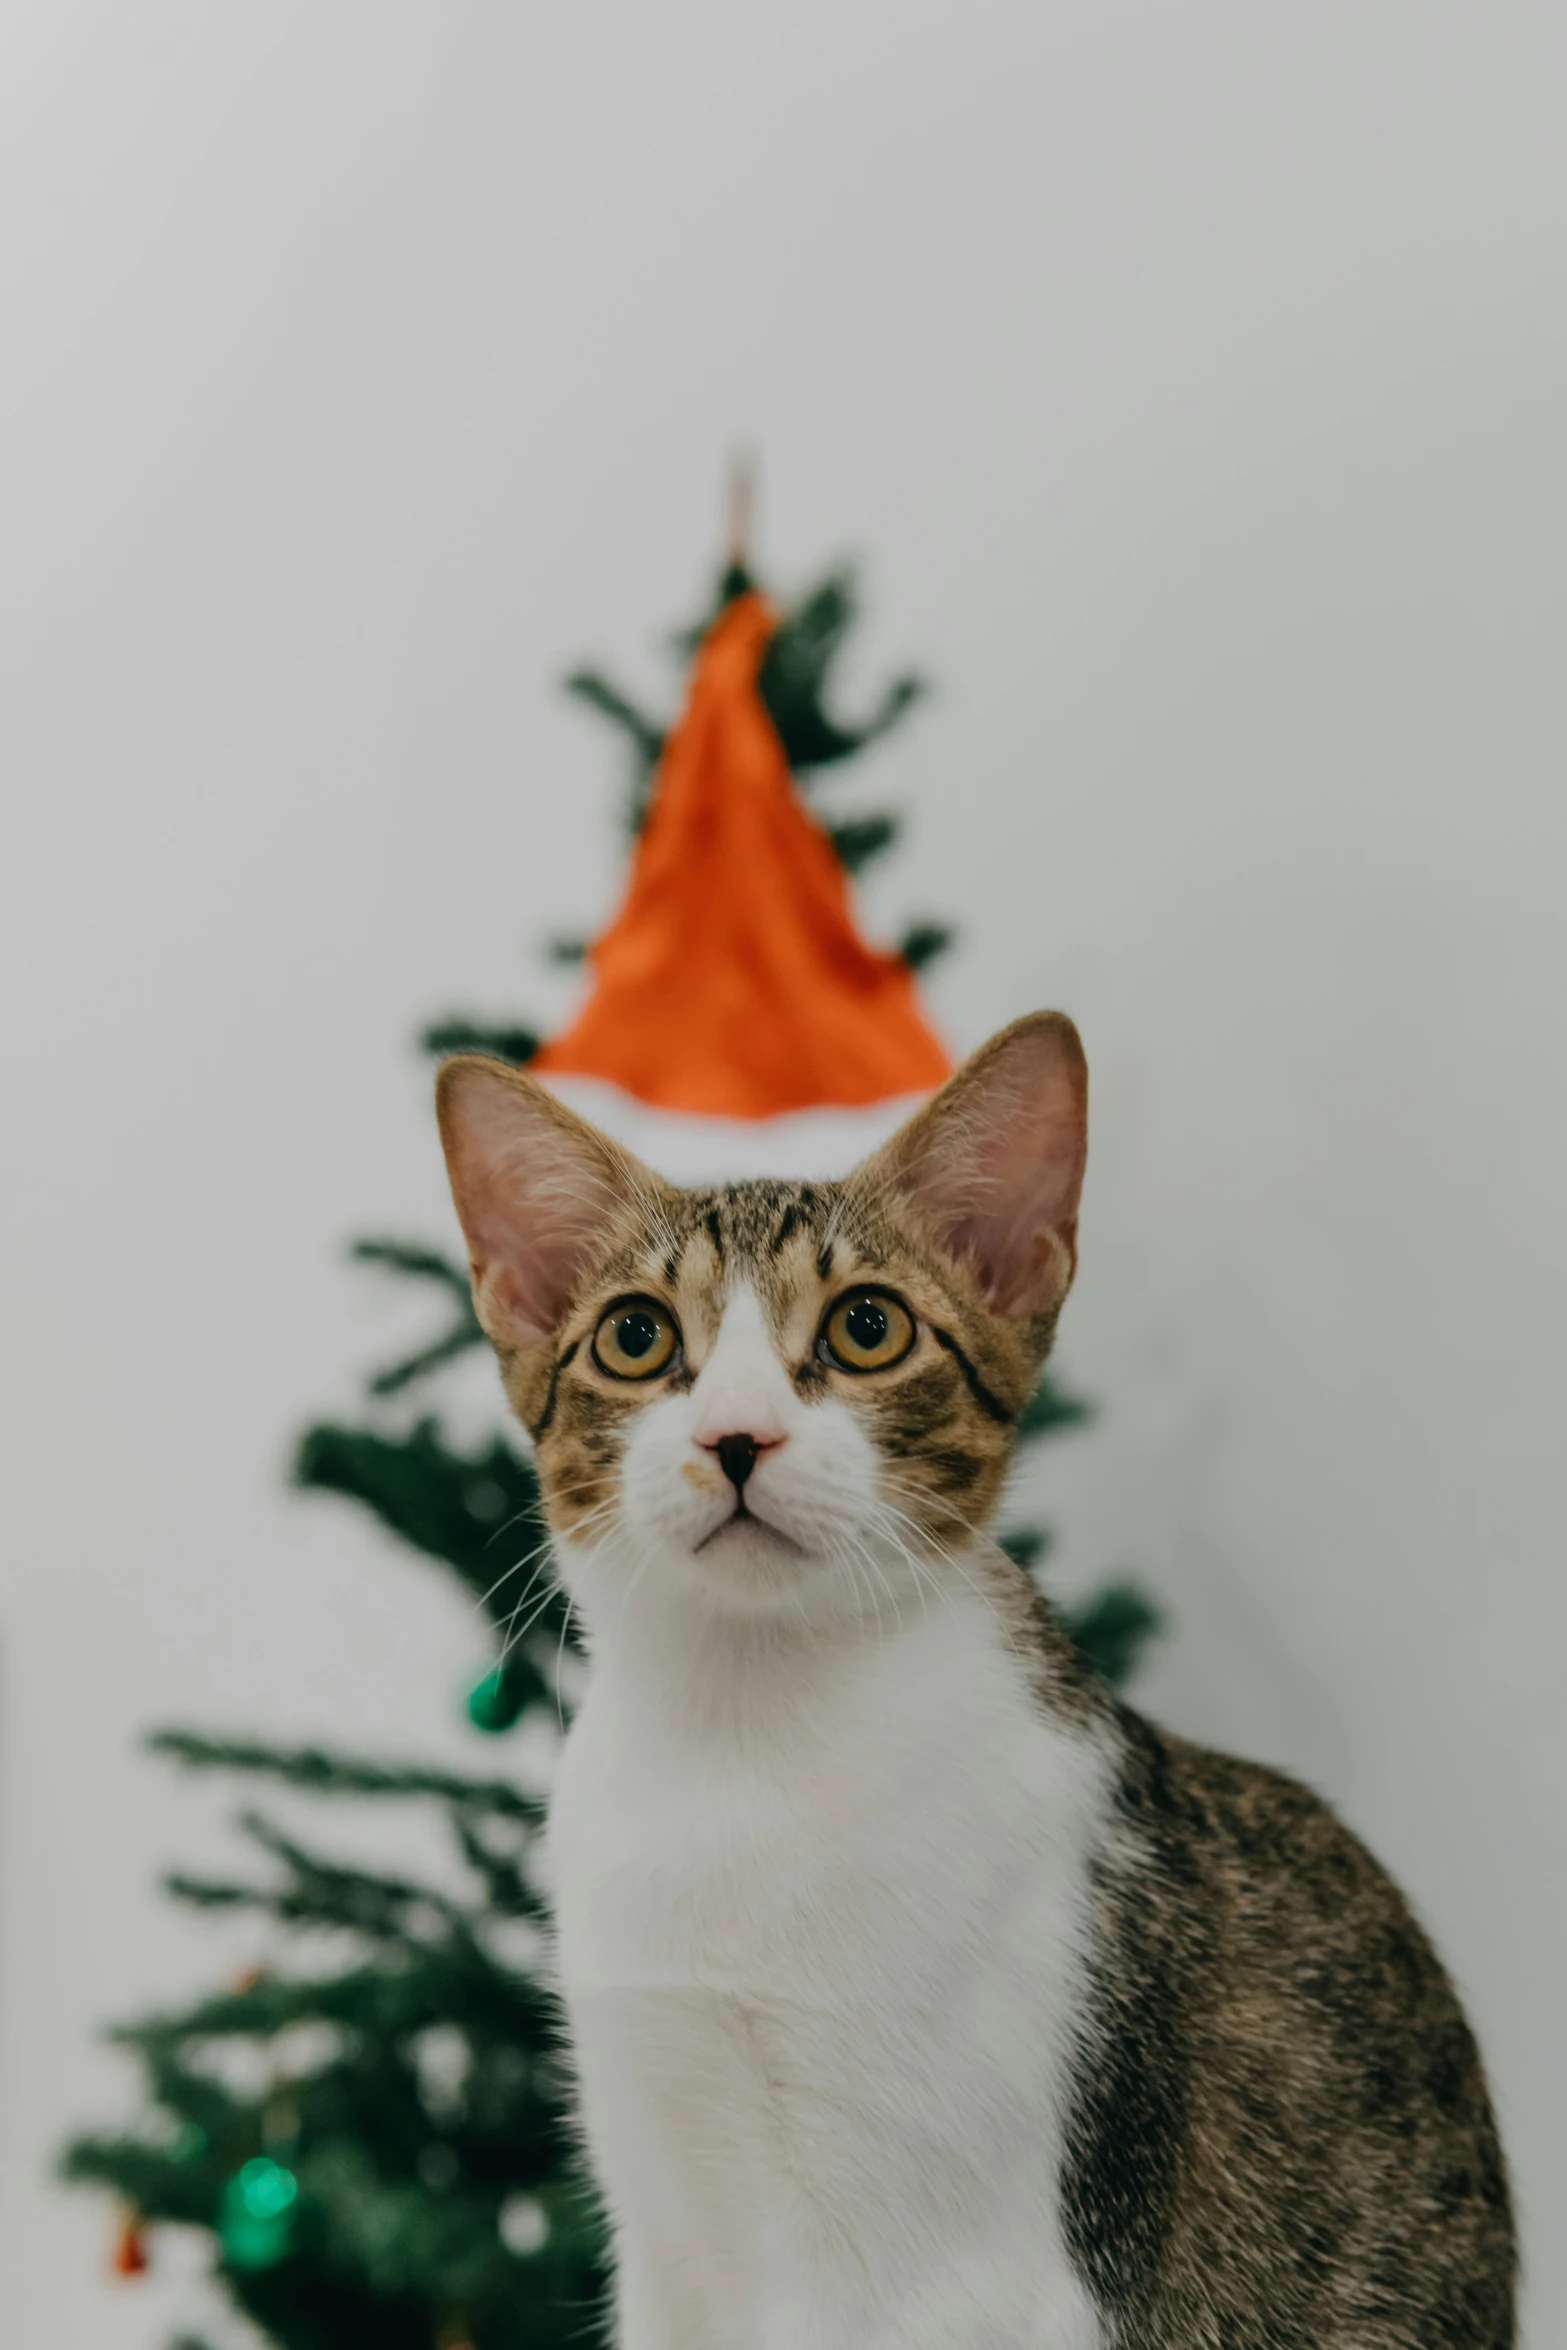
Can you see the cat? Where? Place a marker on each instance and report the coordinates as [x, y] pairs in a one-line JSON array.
[[921, 1995]]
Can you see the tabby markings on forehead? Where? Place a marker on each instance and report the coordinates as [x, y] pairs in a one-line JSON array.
[[753, 1223]]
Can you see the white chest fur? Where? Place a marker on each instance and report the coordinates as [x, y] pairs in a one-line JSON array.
[[821, 1929]]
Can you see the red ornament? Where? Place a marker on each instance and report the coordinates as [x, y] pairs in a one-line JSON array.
[[131, 2257]]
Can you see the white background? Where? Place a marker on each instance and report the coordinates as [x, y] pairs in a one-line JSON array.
[[1193, 380]]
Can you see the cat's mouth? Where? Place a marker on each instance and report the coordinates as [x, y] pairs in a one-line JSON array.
[[750, 1527]]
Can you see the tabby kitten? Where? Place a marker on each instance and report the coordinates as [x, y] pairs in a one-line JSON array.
[[922, 1996]]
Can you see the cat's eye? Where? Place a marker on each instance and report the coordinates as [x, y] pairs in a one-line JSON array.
[[868, 1330], [636, 1339]]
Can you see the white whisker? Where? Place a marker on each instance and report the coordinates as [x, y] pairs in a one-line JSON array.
[[560, 1654]]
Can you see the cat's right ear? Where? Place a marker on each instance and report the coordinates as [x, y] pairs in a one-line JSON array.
[[992, 1167], [539, 1194]]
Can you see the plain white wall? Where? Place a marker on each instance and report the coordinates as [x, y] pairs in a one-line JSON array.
[[1193, 378]]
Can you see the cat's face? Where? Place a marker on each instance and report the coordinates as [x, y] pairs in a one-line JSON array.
[[772, 1379], [781, 1395]]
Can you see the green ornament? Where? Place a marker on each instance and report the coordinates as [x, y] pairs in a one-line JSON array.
[[257, 2217], [495, 1703]]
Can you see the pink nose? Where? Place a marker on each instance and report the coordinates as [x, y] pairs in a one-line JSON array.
[[739, 1452]]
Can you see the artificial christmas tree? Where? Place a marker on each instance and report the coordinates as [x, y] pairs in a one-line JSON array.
[[398, 2168]]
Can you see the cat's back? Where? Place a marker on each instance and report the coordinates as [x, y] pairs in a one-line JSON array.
[[1281, 2134]]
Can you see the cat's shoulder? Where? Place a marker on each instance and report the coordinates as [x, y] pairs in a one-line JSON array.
[[1264, 2005], [1204, 1816], [1247, 1921]]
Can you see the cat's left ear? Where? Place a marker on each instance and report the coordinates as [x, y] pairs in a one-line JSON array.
[[991, 1168], [540, 1195]]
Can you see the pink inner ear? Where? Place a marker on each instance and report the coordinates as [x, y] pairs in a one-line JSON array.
[[1016, 1240], [997, 1163], [536, 1191], [531, 1242]]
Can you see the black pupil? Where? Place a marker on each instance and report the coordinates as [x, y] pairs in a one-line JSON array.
[[866, 1324], [635, 1333]]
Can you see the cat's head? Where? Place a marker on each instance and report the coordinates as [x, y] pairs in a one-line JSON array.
[[775, 1392]]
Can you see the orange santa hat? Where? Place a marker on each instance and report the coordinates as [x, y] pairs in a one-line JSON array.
[[737, 1023]]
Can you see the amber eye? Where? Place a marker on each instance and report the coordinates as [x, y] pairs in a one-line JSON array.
[[869, 1330], [635, 1340]]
